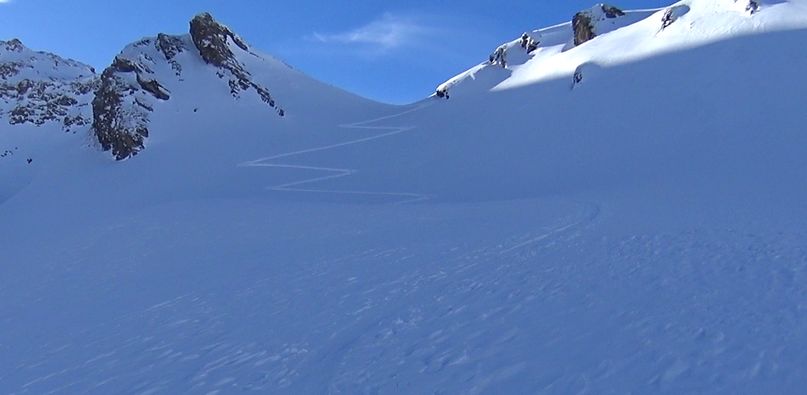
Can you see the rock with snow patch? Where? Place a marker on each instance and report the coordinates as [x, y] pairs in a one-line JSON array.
[[672, 14], [585, 23]]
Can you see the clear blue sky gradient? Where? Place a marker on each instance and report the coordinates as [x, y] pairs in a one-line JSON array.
[[393, 51]]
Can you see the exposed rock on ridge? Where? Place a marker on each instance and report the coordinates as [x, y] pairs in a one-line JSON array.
[[585, 22], [212, 39], [40, 88]]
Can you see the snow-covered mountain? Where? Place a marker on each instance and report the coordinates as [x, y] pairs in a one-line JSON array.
[[44, 101], [146, 73], [618, 209], [39, 88]]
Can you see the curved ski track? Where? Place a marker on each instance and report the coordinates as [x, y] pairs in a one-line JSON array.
[[295, 186]]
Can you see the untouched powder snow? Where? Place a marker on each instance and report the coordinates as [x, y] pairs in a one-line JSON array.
[[640, 230]]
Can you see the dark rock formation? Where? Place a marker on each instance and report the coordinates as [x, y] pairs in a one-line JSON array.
[[153, 87], [117, 127], [667, 18], [120, 108], [584, 23], [14, 45], [583, 30], [611, 12], [212, 39]]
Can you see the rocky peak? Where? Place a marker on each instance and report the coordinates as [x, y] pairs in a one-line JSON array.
[[212, 40], [145, 72]]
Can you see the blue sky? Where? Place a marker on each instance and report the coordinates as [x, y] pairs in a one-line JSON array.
[[394, 51]]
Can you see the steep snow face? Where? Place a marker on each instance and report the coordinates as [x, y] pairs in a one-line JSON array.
[[40, 88]]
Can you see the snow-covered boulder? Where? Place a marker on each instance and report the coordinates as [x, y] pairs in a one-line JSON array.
[[144, 74], [586, 23], [40, 88]]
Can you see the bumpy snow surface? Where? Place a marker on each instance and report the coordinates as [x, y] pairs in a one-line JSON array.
[[641, 230]]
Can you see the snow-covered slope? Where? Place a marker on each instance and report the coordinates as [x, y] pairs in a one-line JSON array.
[[634, 36], [638, 229]]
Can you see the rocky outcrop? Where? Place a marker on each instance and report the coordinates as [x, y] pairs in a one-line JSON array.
[[672, 14], [214, 42], [13, 45], [212, 39], [39, 88], [583, 29], [120, 125], [585, 22], [128, 91], [170, 47]]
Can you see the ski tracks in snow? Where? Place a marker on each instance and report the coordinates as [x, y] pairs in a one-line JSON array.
[[334, 172], [594, 212]]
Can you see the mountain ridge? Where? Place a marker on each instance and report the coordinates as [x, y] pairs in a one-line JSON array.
[[125, 93]]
